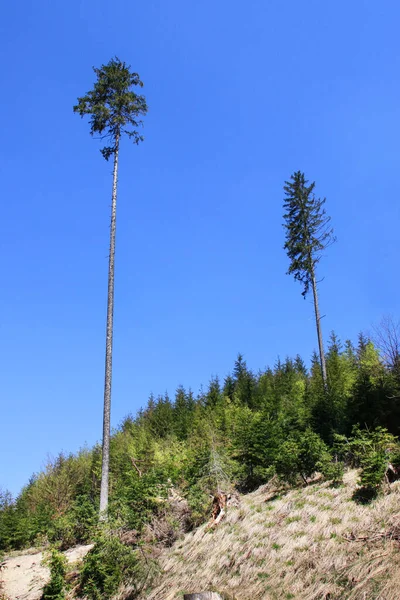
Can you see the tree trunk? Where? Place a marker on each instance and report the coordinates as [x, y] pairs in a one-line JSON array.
[[109, 346], [202, 596], [319, 331]]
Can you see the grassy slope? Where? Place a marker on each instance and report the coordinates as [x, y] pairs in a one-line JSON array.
[[291, 546]]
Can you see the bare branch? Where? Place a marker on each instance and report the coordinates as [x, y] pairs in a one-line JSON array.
[[387, 339], [136, 467]]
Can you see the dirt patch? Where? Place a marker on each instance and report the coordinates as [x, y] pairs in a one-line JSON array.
[[23, 577]]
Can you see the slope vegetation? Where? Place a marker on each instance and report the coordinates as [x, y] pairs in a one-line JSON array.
[[310, 543]]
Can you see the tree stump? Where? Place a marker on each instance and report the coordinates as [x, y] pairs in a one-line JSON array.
[[202, 596]]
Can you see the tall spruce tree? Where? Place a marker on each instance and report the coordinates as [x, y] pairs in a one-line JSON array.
[[308, 233], [114, 109]]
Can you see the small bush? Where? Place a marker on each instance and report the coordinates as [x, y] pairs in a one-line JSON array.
[[373, 451], [301, 456], [108, 566], [374, 466], [199, 504], [57, 563], [332, 471], [76, 526]]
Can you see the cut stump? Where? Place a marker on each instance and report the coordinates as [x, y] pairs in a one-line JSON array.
[[202, 596]]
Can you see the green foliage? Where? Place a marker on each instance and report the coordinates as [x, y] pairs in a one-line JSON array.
[[256, 439], [208, 464], [135, 499], [244, 383], [107, 566], [114, 108], [279, 420], [332, 470], [159, 417], [57, 563], [307, 228], [199, 504], [7, 521], [374, 466], [330, 410], [183, 413], [374, 398], [77, 525], [373, 451], [365, 442], [301, 455], [52, 504]]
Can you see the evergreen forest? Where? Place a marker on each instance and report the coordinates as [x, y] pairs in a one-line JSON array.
[[238, 432]]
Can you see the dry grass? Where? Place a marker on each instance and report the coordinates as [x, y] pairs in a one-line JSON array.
[[302, 544]]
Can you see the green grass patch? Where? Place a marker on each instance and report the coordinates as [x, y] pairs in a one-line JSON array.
[[292, 519], [276, 546]]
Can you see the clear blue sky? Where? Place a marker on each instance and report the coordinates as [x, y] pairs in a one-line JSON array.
[[240, 95]]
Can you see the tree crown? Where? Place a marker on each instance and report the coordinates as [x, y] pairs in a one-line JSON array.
[[307, 228], [113, 106]]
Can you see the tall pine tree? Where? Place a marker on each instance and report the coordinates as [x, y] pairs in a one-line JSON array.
[[308, 233], [114, 109]]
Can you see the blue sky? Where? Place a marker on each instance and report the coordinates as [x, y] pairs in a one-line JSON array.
[[240, 95]]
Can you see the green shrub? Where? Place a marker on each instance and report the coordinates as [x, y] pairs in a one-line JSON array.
[[75, 526], [332, 470], [301, 456], [394, 457], [108, 566], [364, 442], [287, 461], [199, 504], [374, 466], [135, 499], [57, 563], [372, 451]]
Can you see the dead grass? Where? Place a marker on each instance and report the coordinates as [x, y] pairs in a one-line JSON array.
[[304, 545]]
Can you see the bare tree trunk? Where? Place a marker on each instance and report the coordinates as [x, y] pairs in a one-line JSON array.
[[319, 331], [109, 346]]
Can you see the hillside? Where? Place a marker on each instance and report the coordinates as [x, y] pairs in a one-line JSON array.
[[168, 462], [308, 544]]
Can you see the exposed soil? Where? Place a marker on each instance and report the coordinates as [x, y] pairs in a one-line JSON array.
[[23, 577]]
